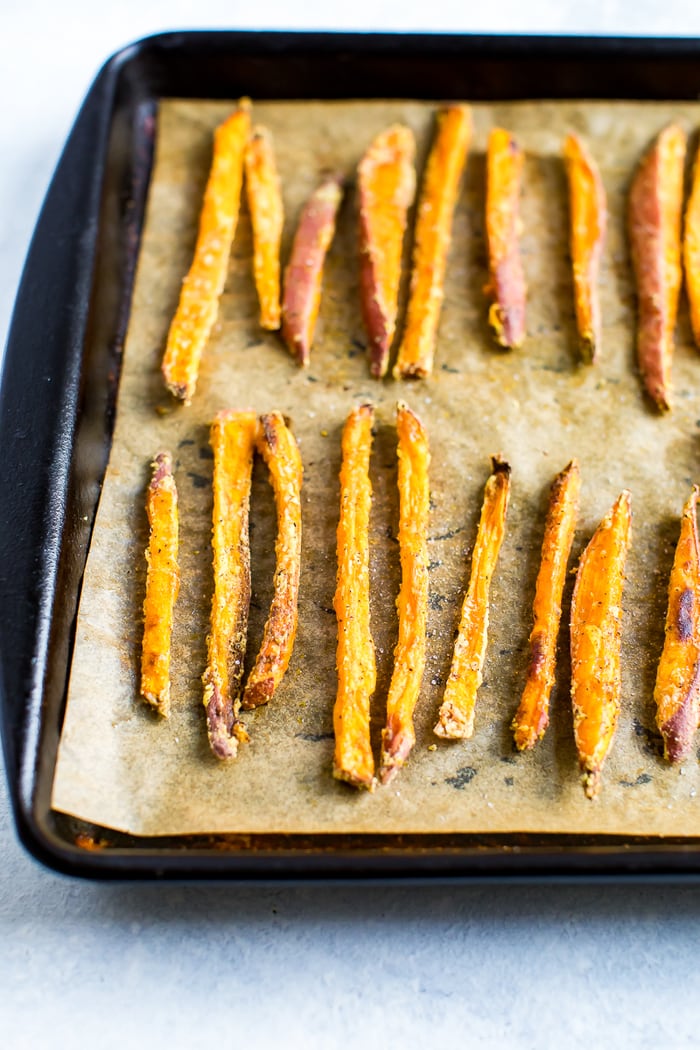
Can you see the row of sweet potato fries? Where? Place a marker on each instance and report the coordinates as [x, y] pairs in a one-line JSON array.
[[595, 612], [386, 183]]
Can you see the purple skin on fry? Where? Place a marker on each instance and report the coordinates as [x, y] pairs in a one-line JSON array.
[[396, 747], [164, 467], [220, 725], [678, 732], [510, 297], [374, 317]]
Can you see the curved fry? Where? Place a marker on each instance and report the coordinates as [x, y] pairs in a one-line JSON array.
[[433, 234], [277, 446], [456, 715], [506, 287], [399, 735], [199, 299], [162, 584], [677, 691], [386, 179], [532, 717], [267, 218], [691, 249], [353, 760], [587, 211], [233, 436], [595, 640]]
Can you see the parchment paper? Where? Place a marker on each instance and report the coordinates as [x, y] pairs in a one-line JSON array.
[[122, 767]]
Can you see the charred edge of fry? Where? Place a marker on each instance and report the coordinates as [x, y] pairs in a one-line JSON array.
[[155, 657], [279, 449], [532, 717], [592, 780], [398, 737], [506, 285], [352, 760], [267, 217], [303, 276], [456, 714]]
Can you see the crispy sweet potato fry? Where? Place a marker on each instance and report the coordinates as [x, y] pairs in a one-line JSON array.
[[278, 448], [588, 217], [691, 249], [386, 188], [267, 218], [233, 436], [456, 715], [532, 717], [433, 234], [199, 299], [677, 692], [655, 203], [353, 761], [399, 735], [595, 640], [162, 584], [506, 287], [304, 273]]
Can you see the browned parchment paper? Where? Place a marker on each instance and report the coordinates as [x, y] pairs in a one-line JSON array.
[[121, 767]]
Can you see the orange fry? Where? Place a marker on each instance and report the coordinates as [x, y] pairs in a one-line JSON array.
[[532, 717], [691, 249], [278, 448], [399, 735], [677, 692], [386, 187], [432, 241], [353, 759], [506, 287], [267, 217], [162, 584], [233, 436], [655, 204], [199, 299], [595, 640], [456, 715], [304, 272], [587, 233]]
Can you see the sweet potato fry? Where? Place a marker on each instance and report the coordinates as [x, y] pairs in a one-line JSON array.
[[595, 640], [162, 584], [433, 234], [456, 715], [588, 217], [233, 436], [691, 249], [506, 286], [267, 218], [655, 203], [386, 188], [532, 717], [304, 273], [399, 735], [353, 759], [199, 299], [277, 446], [677, 692]]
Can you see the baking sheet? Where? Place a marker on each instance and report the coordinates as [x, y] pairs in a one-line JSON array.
[[120, 766]]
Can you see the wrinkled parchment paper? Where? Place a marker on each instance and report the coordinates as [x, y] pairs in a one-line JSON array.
[[122, 767]]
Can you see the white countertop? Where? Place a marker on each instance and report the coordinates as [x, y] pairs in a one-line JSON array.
[[158, 965]]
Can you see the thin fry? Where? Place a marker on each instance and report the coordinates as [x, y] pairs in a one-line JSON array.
[[456, 715], [386, 188], [267, 217], [506, 287], [691, 249], [162, 584], [655, 204], [277, 446], [588, 217], [677, 692], [432, 241], [532, 717], [233, 436], [595, 640], [304, 273], [199, 299], [399, 735], [353, 759]]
